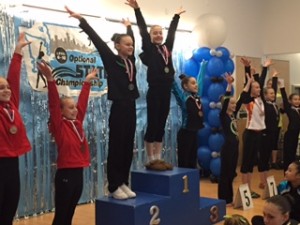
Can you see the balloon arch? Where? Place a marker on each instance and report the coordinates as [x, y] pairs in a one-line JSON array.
[[215, 61]]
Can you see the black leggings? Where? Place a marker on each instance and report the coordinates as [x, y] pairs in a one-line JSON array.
[[122, 123], [269, 143], [9, 189], [290, 146], [187, 148], [252, 142], [68, 189], [158, 106], [229, 158]]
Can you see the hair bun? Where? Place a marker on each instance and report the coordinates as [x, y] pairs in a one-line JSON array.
[[115, 36], [181, 76]]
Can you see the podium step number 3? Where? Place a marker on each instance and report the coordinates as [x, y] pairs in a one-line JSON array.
[[270, 189], [243, 197]]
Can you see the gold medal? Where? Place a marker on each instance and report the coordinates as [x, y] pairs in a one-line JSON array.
[[167, 70], [13, 129]]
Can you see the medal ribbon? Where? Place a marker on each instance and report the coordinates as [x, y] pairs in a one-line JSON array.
[[233, 125], [197, 102], [75, 128], [129, 69], [10, 112], [164, 53], [296, 109]]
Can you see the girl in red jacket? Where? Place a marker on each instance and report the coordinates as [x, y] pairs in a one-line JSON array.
[[72, 146], [13, 139]]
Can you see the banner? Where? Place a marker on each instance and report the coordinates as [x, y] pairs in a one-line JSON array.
[[70, 54]]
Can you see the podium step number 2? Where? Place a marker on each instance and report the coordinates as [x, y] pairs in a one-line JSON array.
[[243, 197], [154, 211], [270, 189]]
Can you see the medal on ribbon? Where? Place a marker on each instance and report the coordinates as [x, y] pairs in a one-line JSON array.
[[11, 116], [165, 56], [80, 136], [129, 71]]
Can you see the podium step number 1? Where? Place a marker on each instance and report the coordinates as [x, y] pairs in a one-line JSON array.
[[270, 189], [243, 197]]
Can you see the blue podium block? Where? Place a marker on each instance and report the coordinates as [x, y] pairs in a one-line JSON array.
[[135, 211], [174, 183], [211, 210], [172, 197]]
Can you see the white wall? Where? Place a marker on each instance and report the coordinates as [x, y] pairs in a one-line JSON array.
[[255, 27], [243, 17], [294, 60], [281, 30], [244, 29]]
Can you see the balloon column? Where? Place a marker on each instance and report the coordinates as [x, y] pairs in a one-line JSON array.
[[217, 61]]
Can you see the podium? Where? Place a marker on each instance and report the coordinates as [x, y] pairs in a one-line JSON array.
[[163, 198]]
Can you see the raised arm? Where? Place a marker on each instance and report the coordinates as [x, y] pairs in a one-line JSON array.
[[262, 78], [244, 96], [53, 96], [286, 104], [84, 94], [200, 77], [247, 65], [227, 95], [172, 29], [129, 31], [179, 95], [105, 52], [14, 71], [146, 40], [275, 82]]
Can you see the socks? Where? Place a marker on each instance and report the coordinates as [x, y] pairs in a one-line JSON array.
[[157, 156]]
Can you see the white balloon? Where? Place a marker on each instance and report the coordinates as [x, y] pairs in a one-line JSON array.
[[215, 154], [219, 53], [213, 52], [211, 30]]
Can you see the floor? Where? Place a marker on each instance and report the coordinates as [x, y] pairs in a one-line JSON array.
[[85, 214]]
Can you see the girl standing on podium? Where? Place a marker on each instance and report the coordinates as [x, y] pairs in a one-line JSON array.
[[13, 139], [160, 76], [230, 149], [122, 91]]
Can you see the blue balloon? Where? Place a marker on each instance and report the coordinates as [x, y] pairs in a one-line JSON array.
[[215, 91], [205, 107], [225, 53], [215, 142], [214, 118], [191, 68], [202, 54], [203, 135], [215, 67], [204, 157], [206, 83], [215, 166], [229, 66]]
